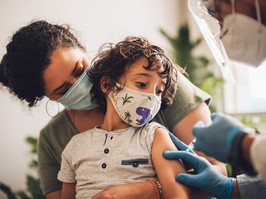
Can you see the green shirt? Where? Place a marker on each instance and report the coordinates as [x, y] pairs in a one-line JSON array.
[[58, 132]]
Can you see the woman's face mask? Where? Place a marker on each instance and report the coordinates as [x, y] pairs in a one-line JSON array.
[[134, 107], [78, 97], [244, 38]]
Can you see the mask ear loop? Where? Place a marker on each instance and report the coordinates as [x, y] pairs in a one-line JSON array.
[[258, 10], [257, 5], [259, 20], [233, 7], [46, 108], [223, 33]]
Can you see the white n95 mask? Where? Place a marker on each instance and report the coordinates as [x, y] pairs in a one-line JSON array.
[[244, 38], [78, 97], [134, 107]]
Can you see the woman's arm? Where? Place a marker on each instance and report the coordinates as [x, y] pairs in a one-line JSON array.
[[68, 191], [183, 131], [167, 170], [53, 195]]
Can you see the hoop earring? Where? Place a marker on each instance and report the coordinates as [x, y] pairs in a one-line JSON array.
[[47, 111]]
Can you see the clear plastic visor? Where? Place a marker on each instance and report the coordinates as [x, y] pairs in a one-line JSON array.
[[211, 31]]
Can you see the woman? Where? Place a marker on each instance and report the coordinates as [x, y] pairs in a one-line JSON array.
[[43, 59]]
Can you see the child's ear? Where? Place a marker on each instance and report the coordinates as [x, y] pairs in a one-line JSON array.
[[105, 84]]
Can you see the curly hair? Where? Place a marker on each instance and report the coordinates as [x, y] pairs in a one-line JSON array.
[[112, 60], [29, 54]]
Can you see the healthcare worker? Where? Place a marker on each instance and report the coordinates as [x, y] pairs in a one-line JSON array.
[[234, 29], [243, 34]]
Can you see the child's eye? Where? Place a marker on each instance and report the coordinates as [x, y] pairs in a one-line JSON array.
[[141, 84], [159, 92]]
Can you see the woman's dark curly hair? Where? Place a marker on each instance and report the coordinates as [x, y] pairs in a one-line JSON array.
[[113, 60], [28, 55]]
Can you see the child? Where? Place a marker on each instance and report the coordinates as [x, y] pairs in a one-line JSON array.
[[130, 80]]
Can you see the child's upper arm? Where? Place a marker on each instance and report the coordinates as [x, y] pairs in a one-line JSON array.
[[167, 169]]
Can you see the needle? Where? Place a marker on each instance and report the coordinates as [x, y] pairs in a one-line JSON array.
[[191, 145]]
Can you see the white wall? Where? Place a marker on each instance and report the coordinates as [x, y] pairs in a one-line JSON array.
[[97, 21]]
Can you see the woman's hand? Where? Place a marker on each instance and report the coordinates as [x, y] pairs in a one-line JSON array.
[[218, 138], [144, 190], [205, 176]]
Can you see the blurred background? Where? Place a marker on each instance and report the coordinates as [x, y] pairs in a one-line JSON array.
[[165, 23]]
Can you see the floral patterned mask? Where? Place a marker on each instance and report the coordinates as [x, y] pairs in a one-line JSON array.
[[134, 107]]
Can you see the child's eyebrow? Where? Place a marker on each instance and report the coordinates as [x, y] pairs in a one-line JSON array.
[[142, 74], [163, 80]]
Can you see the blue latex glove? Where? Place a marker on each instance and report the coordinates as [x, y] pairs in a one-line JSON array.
[[179, 144], [216, 139], [206, 177]]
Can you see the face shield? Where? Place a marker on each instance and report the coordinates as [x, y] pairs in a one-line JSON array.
[[240, 38], [211, 31]]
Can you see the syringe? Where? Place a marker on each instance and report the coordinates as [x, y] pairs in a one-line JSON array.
[[191, 145]]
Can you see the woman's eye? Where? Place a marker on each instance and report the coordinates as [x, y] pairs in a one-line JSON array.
[[79, 71], [63, 92]]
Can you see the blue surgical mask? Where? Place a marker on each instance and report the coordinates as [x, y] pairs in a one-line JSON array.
[[78, 97]]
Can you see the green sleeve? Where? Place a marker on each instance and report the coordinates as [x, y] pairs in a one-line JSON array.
[[187, 97], [52, 141]]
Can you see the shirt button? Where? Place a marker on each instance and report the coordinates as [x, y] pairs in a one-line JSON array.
[[104, 165], [111, 137], [135, 164], [106, 151]]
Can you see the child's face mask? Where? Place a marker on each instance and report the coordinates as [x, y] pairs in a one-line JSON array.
[[134, 107], [78, 97]]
